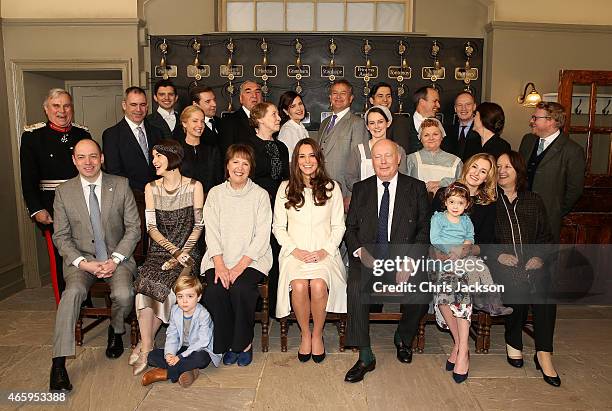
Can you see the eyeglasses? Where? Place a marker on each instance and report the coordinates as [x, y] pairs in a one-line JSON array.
[[534, 118]]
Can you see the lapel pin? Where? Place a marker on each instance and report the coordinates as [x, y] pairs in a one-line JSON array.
[[110, 189]]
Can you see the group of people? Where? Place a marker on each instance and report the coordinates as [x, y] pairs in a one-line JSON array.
[[235, 200]]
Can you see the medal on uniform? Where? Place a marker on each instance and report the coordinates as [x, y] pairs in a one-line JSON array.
[[64, 138]]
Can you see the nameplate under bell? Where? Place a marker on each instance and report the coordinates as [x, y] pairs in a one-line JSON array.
[[433, 74], [366, 72], [461, 73], [166, 71], [331, 72], [198, 72], [399, 73], [265, 72], [231, 72], [298, 73]]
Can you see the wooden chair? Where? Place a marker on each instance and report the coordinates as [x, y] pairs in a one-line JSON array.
[[262, 314], [101, 289], [339, 319], [480, 329], [418, 344]]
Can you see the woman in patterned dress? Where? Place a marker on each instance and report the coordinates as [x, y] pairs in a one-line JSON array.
[[174, 222]]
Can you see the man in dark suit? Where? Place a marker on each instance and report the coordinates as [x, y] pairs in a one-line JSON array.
[[399, 130], [463, 129], [235, 126], [555, 163], [204, 97], [166, 117], [388, 217], [127, 144], [427, 103], [96, 228]]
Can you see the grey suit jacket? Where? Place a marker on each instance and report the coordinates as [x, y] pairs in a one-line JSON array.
[[338, 143], [559, 178], [73, 233]]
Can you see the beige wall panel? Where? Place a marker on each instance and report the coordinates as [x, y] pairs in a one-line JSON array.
[[180, 17], [64, 9], [11, 270], [534, 53], [554, 11], [451, 18], [79, 42]]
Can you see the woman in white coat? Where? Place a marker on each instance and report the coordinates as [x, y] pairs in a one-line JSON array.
[[309, 226]]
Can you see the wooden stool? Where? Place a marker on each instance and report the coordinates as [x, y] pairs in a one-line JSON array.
[[339, 319], [263, 315], [101, 289]]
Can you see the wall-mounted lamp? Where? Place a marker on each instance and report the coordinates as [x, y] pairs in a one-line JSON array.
[[531, 99]]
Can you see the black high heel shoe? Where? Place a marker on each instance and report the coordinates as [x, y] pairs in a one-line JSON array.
[[554, 381], [515, 362], [450, 365], [318, 358], [459, 378], [304, 357]]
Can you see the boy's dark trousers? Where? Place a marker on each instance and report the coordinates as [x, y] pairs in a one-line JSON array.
[[197, 359]]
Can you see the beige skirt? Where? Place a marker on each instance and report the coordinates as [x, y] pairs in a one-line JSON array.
[[161, 310]]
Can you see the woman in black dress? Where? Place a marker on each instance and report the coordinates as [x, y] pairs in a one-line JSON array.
[[489, 123], [271, 168], [523, 233], [202, 160]]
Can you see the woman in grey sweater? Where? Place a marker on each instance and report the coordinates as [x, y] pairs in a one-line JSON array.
[[237, 220]]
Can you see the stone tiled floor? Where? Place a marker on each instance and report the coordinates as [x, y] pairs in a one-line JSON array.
[[277, 380]]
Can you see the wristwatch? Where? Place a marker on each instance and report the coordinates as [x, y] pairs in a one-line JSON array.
[[116, 259]]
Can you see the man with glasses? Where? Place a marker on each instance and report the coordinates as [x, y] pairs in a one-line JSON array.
[[555, 163]]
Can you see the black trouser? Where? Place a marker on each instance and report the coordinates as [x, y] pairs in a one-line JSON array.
[[358, 321], [197, 359], [232, 310], [273, 276], [544, 316]]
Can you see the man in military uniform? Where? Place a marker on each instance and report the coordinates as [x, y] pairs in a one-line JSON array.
[[46, 162]]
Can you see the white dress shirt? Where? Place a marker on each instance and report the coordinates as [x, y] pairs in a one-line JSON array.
[[247, 111], [340, 114], [380, 189], [134, 126], [418, 119], [98, 190], [548, 140], [168, 117]]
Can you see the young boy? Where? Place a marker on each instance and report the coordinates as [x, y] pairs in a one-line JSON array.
[[189, 338]]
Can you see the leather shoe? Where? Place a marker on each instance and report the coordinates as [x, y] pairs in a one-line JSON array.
[[188, 377], [59, 381], [154, 375], [450, 365], [404, 353], [359, 370], [245, 358], [515, 362], [554, 381], [318, 358], [304, 357], [459, 378], [114, 349], [230, 358]]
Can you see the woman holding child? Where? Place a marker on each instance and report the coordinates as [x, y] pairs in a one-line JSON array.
[[309, 225], [238, 220]]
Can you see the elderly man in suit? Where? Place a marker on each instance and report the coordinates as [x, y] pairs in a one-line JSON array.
[[555, 163], [381, 94], [235, 127], [127, 144], [463, 129], [166, 118], [96, 228], [340, 133], [388, 218]]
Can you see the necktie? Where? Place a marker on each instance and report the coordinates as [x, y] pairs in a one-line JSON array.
[[462, 134], [142, 140], [540, 146], [210, 124], [331, 124], [96, 224], [382, 234]]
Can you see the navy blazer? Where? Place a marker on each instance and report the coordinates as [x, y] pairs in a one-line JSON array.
[[124, 157], [156, 120]]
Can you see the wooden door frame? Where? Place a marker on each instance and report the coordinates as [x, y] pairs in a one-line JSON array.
[[17, 118]]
